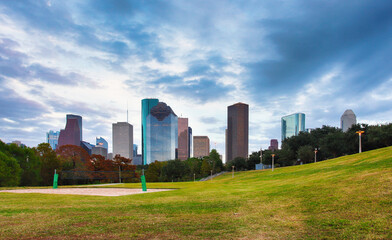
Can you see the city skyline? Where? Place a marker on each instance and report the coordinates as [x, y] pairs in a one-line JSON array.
[[74, 57]]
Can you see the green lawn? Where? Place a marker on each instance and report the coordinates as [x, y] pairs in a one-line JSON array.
[[348, 197]]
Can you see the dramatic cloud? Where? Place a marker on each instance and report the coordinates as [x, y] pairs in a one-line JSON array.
[[98, 58]]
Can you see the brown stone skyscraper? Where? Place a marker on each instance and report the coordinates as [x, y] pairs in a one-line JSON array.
[[237, 139], [183, 139]]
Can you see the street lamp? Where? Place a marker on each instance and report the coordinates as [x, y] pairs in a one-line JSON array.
[[273, 156], [315, 155], [211, 175], [232, 171], [360, 139], [194, 177]]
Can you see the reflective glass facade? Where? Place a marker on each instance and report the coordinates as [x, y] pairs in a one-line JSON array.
[[161, 134], [292, 125], [53, 138], [147, 104], [102, 142], [190, 152]]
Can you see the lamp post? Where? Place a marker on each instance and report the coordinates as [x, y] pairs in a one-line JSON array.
[[194, 177], [360, 139], [273, 163], [315, 155], [232, 171]]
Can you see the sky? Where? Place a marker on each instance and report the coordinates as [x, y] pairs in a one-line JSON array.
[[95, 58]]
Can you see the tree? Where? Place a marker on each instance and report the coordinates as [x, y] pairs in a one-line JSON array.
[[49, 161], [9, 171], [305, 153], [205, 168], [215, 161], [239, 163], [153, 172], [194, 165], [253, 159]]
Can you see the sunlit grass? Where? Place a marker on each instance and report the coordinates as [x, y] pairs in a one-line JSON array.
[[348, 197]]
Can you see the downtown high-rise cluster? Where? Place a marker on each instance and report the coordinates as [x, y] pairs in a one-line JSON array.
[[165, 136]]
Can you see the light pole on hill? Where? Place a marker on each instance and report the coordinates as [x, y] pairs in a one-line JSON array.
[[232, 171], [360, 139], [211, 175], [273, 161], [315, 155]]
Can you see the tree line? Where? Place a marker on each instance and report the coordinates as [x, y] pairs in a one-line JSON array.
[[23, 166], [188, 170]]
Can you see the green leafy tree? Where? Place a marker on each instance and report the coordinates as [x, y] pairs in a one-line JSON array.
[[239, 163], [9, 171], [215, 161], [306, 154], [205, 168], [49, 161], [253, 159], [153, 173]]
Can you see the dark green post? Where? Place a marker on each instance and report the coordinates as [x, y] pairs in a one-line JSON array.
[[143, 178], [55, 179]]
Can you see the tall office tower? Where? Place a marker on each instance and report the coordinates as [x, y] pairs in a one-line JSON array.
[[201, 146], [237, 131], [292, 125], [190, 145], [134, 150], [102, 142], [183, 139], [72, 134], [79, 119], [161, 134], [52, 138], [100, 150], [347, 120], [273, 145], [122, 139], [147, 104]]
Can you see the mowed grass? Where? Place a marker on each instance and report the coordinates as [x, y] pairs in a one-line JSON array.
[[348, 197]]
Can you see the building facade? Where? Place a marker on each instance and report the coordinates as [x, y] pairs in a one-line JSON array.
[[147, 104], [102, 142], [237, 131], [273, 145], [72, 134], [161, 134], [100, 150], [52, 138], [122, 135], [292, 125], [190, 143], [183, 139], [201, 146], [347, 120]]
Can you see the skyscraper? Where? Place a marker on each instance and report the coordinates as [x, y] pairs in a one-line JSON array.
[[201, 146], [52, 138], [161, 134], [122, 139], [273, 145], [102, 142], [347, 120], [190, 143], [72, 134], [292, 125], [183, 139], [237, 131], [147, 104]]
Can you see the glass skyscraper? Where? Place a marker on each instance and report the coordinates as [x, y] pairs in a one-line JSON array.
[[53, 138], [102, 142], [161, 134], [292, 125], [147, 104]]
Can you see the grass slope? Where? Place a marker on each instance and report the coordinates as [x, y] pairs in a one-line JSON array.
[[348, 197]]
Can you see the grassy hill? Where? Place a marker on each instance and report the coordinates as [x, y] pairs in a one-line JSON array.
[[348, 197]]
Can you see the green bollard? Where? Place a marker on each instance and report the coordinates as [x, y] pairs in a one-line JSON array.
[[144, 187], [55, 179]]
